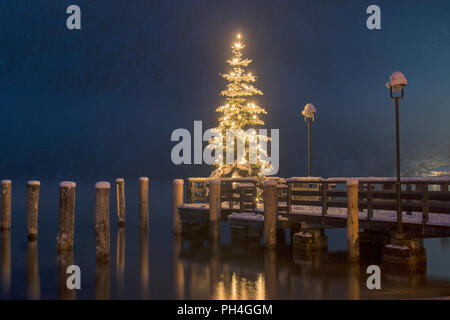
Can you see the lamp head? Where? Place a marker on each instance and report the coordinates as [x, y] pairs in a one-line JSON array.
[[397, 82], [309, 112]]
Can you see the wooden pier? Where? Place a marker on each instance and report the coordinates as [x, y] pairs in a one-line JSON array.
[[324, 202], [306, 206]]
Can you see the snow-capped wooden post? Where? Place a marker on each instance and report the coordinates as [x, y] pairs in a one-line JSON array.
[[32, 208], [214, 209], [352, 220], [143, 202], [120, 196], [66, 219], [270, 214], [102, 235], [177, 201], [6, 205]]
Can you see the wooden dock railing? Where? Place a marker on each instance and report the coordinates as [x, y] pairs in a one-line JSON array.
[[426, 195], [237, 194]]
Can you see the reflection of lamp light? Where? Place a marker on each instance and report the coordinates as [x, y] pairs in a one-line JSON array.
[[309, 112], [397, 83]]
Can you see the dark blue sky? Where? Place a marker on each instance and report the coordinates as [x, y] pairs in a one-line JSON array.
[[102, 102]]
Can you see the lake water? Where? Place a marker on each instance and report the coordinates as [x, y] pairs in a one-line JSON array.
[[154, 265]]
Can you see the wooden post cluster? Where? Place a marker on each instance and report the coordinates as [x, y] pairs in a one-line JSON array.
[[32, 208], [6, 205], [352, 220], [102, 232], [120, 195], [66, 218], [270, 214], [177, 201], [214, 209], [143, 202]]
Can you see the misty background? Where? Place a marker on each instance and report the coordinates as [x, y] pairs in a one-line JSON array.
[[103, 101]]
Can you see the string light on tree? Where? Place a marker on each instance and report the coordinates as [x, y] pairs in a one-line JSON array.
[[240, 112]]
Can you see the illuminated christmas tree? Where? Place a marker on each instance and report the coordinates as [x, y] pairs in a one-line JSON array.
[[240, 112]]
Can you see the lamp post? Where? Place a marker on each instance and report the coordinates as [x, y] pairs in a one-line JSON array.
[[308, 113], [397, 83]]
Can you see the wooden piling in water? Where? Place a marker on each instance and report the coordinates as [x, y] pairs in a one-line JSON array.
[[102, 233], [66, 218], [270, 214], [352, 220], [6, 205], [143, 202], [120, 196], [214, 209], [177, 201], [32, 208]]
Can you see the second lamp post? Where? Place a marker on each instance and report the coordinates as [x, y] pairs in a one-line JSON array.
[[397, 83], [308, 112]]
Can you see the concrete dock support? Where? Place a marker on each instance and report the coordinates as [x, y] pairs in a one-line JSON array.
[[404, 255], [177, 201], [270, 214], [102, 232], [32, 208], [120, 196], [214, 210], [371, 244], [143, 202], [310, 239], [66, 219], [6, 205], [245, 236], [352, 220]]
